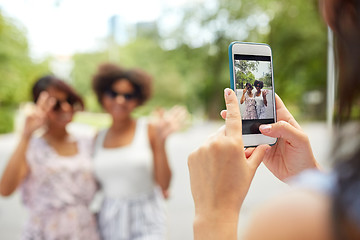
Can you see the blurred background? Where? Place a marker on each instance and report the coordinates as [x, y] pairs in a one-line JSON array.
[[183, 44]]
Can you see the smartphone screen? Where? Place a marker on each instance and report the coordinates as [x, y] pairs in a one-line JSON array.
[[254, 90], [251, 77]]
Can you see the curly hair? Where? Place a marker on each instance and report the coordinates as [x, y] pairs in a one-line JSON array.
[[260, 83], [108, 73], [248, 84]]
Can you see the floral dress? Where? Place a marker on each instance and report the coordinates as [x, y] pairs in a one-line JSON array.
[[250, 107], [57, 193]]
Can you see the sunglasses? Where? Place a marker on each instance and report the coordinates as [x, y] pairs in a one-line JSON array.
[[127, 96], [59, 103]]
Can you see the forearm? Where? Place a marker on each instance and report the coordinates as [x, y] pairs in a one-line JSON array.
[[162, 172], [215, 228], [242, 99], [16, 168]]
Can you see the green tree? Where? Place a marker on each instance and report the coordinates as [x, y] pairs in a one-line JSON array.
[[17, 70], [244, 72], [266, 80], [299, 42], [193, 69], [246, 66], [293, 28]]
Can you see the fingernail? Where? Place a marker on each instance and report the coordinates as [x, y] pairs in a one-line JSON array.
[[227, 91], [265, 128]]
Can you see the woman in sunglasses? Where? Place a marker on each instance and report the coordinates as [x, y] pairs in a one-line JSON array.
[[260, 99], [250, 103], [53, 169], [130, 158]]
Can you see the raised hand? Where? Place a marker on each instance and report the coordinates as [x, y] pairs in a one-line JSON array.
[[264, 93], [17, 168], [168, 122], [37, 117]]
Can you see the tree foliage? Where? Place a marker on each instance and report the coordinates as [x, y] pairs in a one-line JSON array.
[[293, 28], [189, 63], [266, 80], [243, 72], [246, 66], [17, 70], [194, 70]]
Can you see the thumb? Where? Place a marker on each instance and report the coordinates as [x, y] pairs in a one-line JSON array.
[[283, 130], [257, 155], [233, 117]]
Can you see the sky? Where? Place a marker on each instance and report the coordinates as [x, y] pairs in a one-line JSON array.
[[63, 27], [263, 68]]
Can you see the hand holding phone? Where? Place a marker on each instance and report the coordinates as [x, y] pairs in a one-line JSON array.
[[251, 67], [215, 203]]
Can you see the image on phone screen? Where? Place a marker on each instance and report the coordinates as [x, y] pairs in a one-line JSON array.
[[254, 90]]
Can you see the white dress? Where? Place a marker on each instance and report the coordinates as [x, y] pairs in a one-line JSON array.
[[260, 106], [133, 206]]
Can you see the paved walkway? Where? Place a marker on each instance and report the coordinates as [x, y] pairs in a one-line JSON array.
[[180, 206]]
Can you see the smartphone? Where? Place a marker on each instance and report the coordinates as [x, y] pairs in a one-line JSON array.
[[252, 79]]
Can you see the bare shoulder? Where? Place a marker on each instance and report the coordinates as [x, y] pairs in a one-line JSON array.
[[298, 214]]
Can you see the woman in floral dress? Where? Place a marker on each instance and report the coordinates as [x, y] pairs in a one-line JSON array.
[[53, 170], [250, 103]]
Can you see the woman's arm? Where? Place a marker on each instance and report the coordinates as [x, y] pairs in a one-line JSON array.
[[162, 172], [164, 124], [243, 97], [17, 168], [220, 226], [264, 93]]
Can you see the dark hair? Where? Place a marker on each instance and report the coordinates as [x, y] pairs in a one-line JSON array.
[[46, 82], [107, 74], [346, 201], [260, 83], [346, 28], [248, 84]]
